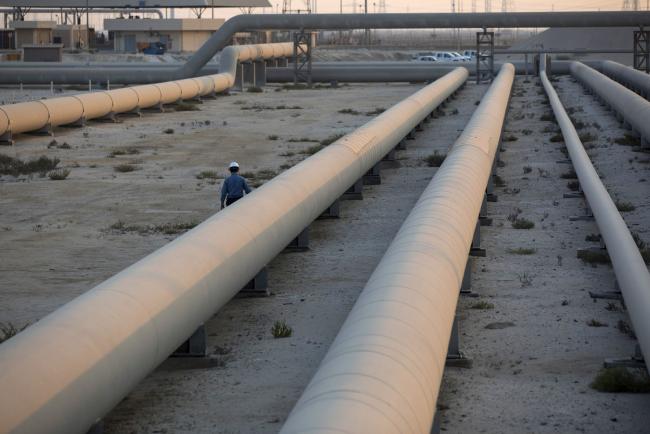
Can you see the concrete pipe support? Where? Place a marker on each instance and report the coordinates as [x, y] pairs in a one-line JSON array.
[[69, 369], [631, 272], [634, 109], [383, 371]]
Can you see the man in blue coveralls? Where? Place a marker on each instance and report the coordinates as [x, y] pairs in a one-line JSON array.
[[234, 186]]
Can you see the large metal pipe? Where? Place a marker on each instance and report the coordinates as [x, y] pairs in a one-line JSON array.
[[631, 272], [249, 22], [92, 11], [70, 368], [633, 79], [35, 115], [321, 71], [382, 374], [629, 106], [367, 72]]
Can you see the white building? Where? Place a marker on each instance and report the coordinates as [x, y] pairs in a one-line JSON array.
[[178, 34]]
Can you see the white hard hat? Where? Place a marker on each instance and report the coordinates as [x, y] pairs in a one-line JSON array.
[[233, 164]]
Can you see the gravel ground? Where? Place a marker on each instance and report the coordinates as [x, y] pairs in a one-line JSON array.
[[532, 376]]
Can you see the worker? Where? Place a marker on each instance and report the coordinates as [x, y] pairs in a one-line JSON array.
[[234, 186]]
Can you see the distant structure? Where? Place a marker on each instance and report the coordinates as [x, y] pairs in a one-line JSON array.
[[488, 5], [176, 34], [507, 6], [288, 9], [630, 5]]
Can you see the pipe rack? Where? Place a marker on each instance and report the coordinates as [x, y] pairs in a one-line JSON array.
[[382, 374], [48, 113], [629, 106], [69, 369], [631, 272], [250, 22]]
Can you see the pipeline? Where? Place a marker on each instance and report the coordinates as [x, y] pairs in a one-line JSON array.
[[249, 22], [631, 272], [629, 107], [382, 374], [92, 11], [45, 114], [69, 369], [386, 72], [631, 78]]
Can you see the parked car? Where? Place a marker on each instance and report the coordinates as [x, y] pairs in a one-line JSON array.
[[425, 59], [470, 54], [446, 56], [460, 56], [155, 48]]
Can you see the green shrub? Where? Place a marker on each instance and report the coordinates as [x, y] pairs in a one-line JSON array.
[[522, 251], [622, 380], [593, 256], [522, 223], [625, 206], [125, 168], [58, 174], [376, 111], [628, 140], [281, 330], [209, 174], [482, 305], [186, 107], [331, 139], [435, 159], [14, 166]]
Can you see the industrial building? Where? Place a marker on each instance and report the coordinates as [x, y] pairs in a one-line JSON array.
[[178, 34]]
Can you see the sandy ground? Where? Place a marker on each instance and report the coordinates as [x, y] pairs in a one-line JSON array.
[[532, 377]]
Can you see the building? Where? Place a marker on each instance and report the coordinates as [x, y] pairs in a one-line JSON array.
[[72, 35], [178, 34], [33, 32], [141, 4]]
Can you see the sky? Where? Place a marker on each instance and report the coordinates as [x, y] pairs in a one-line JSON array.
[[324, 6], [414, 6]]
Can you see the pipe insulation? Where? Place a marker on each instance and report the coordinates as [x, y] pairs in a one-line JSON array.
[[36, 115], [69, 369], [633, 79], [629, 106], [382, 374], [631, 272], [262, 22]]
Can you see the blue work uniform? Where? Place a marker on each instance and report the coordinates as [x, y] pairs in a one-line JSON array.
[[233, 189]]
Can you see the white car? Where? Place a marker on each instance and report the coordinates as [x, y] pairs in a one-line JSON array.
[[471, 54], [426, 59], [445, 56], [460, 56]]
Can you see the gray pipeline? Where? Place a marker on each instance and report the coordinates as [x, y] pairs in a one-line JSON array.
[[221, 38], [322, 72]]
